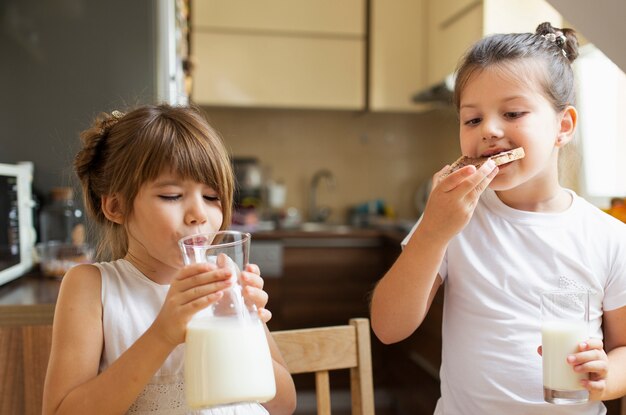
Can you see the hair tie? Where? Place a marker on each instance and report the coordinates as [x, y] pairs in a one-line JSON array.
[[558, 39], [117, 114]]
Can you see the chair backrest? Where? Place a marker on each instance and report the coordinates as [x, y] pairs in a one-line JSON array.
[[321, 349]]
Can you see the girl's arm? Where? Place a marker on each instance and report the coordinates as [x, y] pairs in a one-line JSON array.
[[284, 403], [285, 400], [73, 384], [607, 370], [614, 326], [403, 296]]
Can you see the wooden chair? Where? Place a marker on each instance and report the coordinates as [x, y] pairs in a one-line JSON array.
[[321, 349]]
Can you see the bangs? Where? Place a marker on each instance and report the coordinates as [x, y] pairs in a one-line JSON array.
[[182, 150]]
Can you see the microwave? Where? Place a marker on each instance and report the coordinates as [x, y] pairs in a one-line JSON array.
[[17, 235]]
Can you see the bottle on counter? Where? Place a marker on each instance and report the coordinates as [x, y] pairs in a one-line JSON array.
[[61, 220]]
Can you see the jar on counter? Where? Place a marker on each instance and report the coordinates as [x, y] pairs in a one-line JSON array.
[[60, 219]]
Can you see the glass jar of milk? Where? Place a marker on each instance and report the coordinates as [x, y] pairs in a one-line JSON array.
[[227, 357]]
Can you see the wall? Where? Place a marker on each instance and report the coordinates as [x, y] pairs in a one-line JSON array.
[[602, 22], [372, 155], [63, 61]]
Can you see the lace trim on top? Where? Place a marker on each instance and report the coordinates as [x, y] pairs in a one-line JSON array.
[[164, 394]]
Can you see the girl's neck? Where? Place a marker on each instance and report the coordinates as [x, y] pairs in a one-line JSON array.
[[542, 193], [528, 198], [152, 271]]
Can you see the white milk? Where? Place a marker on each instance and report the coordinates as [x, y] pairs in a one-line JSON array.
[[559, 339], [227, 362]]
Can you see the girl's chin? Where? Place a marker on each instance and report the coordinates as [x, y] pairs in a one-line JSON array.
[[500, 184]]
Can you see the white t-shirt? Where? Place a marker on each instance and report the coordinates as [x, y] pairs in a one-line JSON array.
[[130, 303], [493, 272]]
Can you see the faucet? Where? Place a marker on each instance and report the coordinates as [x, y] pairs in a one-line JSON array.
[[319, 213]]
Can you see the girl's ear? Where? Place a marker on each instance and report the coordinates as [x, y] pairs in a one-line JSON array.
[[569, 118], [113, 208]]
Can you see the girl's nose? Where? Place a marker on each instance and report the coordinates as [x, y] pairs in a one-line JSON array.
[[491, 130], [196, 213]]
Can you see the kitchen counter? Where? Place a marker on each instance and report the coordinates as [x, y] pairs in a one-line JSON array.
[[30, 300]]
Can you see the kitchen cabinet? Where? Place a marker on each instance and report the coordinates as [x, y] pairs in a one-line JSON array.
[[279, 53], [24, 353], [325, 281], [397, 50], [454, 25]]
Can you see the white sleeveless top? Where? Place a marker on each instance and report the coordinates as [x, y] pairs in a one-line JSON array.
[[130, 304]]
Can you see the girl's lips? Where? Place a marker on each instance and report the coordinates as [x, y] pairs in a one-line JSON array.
[[494, 152]]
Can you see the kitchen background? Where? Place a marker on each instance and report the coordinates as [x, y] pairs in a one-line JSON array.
[[66, 60]]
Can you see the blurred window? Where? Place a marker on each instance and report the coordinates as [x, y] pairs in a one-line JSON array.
[[601, 102]]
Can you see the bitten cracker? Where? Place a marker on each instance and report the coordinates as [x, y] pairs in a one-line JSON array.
[[499, 159]]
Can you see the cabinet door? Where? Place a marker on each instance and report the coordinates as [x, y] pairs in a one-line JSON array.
[[449, 39], [239, 69], [451, 32], [398, 43], [346, 17], [24, 353], [279, 53]]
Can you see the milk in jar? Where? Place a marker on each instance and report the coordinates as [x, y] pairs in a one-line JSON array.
[[227, 362]]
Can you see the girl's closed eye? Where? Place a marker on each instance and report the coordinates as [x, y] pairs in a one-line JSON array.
[[170, 198], [212, 198]]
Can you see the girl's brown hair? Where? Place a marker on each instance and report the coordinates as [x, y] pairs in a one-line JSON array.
[[121, 152], [555, 47]]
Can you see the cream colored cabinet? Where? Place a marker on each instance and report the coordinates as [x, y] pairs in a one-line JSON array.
[[454, 25], [397, 50], [279, 53]]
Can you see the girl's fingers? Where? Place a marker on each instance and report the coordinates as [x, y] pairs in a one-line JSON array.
[[598, 367], [265, 315], [591, 343], [252, 279], [437, 176], [256, 295], [220, 274], [253, 268], [202, 302], [452, 181], [469, 178], [480, 179], [592, 386], [201, 291], [193, 269]]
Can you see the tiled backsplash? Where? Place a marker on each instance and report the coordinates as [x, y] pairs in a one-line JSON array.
[[372, 155]]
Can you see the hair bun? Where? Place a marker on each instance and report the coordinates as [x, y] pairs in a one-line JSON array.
[[565, 39]]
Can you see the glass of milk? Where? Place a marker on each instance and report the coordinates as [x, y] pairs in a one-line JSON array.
[[564, 325], [227, 357]]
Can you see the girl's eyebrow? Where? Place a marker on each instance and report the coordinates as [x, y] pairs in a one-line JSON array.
[[507, 99], [165, 183]]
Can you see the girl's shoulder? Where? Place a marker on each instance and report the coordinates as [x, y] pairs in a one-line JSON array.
[[82, 283]]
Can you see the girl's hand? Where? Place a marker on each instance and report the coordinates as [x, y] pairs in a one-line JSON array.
[[195, 287], [253, 290], [593, 360], [453, 199]]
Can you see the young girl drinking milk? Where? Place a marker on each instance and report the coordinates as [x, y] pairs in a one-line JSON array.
[[149, 178], [496, 237]]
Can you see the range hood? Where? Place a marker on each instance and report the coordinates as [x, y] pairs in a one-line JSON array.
[[440, 93]]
